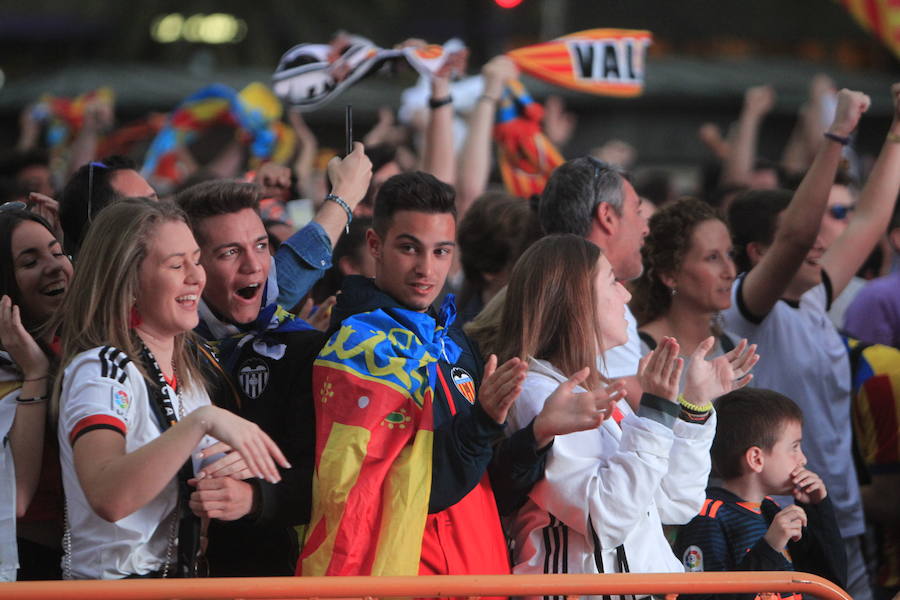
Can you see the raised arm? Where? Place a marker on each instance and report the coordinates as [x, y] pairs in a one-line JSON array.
[[308, 146], [873, 211], [439, 157], [475, 159], [738, 163], [303, 258], [800, 222]]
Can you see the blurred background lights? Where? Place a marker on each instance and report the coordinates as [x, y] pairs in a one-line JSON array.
[[215, 28]]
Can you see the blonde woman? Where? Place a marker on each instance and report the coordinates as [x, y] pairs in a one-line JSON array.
[[132, 404]]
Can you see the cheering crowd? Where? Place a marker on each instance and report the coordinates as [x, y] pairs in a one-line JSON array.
[[432, 376]]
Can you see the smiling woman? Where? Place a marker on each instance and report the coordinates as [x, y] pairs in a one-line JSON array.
[[34, 276], [133, 406], [688, 272]]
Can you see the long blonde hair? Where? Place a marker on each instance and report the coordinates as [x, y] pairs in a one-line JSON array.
[[97, 308], [550, 309]]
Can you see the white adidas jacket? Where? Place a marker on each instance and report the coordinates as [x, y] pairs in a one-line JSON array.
[[624, 480]]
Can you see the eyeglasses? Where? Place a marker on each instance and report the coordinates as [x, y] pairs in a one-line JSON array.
[[90, 197], [840, 211]]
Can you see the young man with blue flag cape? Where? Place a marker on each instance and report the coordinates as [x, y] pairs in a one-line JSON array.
[[409, 422]]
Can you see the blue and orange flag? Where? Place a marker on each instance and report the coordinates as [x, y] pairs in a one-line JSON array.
[[254, 111], [373, 386]]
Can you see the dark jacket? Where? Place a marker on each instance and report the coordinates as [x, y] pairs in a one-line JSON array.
[[277, 396], [728, 535]]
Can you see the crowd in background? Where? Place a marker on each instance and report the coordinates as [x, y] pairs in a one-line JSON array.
[[195, 374]]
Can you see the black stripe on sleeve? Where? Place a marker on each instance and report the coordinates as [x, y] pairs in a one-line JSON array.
[[104, 365], [95, 427]]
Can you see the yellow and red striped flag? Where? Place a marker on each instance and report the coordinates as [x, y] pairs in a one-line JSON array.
[[880, 17]]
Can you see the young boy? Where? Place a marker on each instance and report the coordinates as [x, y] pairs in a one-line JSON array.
[[756, 453]]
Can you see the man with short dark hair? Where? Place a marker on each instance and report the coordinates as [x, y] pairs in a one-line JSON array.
[[407, 420], [594, 199], [92, 188]]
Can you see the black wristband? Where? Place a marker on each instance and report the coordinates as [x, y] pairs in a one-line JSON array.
[[439, 102]]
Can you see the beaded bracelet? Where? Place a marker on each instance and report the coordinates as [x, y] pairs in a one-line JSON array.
[[700, 409], [340, 202]]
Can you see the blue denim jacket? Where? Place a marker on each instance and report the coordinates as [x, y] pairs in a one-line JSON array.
[[300, 262]]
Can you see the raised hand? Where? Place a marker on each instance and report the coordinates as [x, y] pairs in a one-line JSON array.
[[48, 208], [660, 371], [501, 386], [706, 380], [22, 347], [808, 487], [787, 525], [759, 100], [850, 107], [256, 448], [496, 73], [566, 411], [350, 176]]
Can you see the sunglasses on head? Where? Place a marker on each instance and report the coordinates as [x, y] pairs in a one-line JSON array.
[[14, 205], [840, 211], [90, 198]]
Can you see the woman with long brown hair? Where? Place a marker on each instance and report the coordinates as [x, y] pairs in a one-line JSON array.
[[606, 490], [132, 405], [34, 276]]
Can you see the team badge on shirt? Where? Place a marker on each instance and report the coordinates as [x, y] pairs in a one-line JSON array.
[[464, 383], [120, 402], [254, 376], [692, 559]]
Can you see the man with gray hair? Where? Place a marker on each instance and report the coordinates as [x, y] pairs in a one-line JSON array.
[[593, 199]]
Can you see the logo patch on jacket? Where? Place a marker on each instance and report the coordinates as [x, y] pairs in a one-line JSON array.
[[692, 559], [464, 383], [253, 376]]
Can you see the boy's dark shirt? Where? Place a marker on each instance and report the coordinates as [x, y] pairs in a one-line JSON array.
[[730, 535], [264, 543]]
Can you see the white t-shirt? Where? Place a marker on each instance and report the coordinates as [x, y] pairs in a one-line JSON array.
[[622, 361], [802, 356], [102, 388]]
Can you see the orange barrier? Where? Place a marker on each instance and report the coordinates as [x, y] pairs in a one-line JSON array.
[[426, 586]]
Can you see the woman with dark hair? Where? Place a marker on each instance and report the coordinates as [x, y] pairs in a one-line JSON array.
[[687, 277], [132, 402], [34, 277], [492, 235], [606, 490]]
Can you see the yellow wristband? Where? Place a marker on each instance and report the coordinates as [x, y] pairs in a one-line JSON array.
[[700, 409], [894, 138]]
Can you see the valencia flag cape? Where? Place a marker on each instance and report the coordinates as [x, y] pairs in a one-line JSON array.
[[373, 385]]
